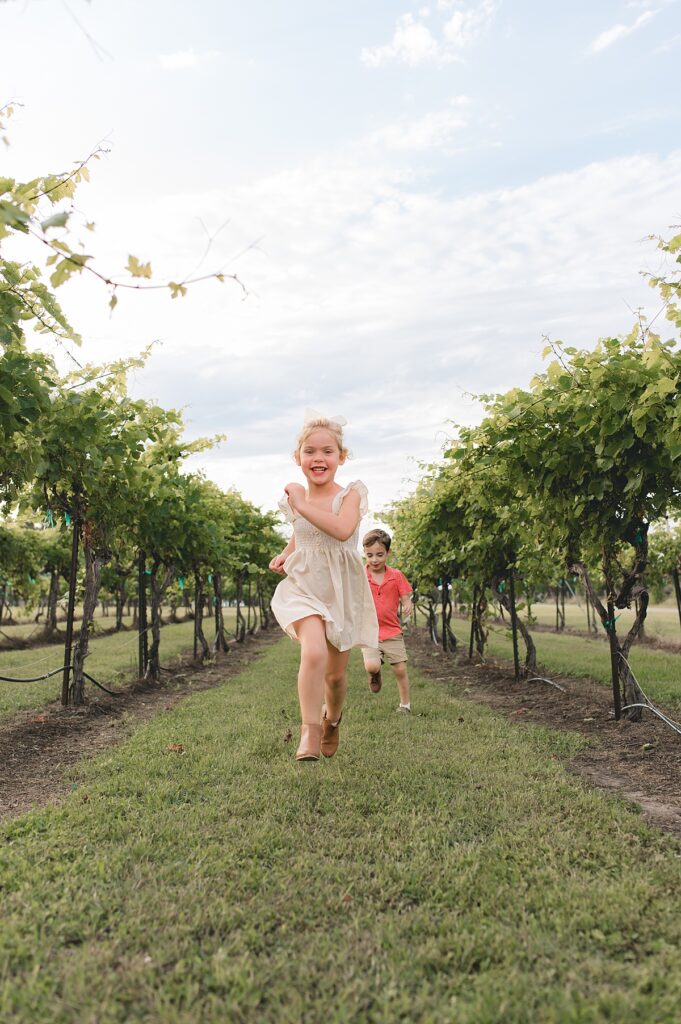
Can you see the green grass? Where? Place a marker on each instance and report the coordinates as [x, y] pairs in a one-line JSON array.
[[658, 672], [29, 629], [443, 867], [113, 659], [661, 621]]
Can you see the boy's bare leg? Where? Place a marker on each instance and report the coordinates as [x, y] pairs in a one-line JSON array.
[[402, 679], [335, 681], [373, 669]]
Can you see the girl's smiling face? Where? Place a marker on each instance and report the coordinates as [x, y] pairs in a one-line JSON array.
[[319, 457]]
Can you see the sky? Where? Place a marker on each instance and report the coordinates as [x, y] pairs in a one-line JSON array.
[[414, 196]]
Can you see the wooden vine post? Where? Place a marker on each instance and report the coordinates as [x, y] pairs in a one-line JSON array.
[[143, 640], [474, 603], [514, 622], [445, 600], [70, 614], [614, 660], [677, 591]]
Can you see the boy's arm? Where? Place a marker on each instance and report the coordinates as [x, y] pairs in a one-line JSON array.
[[405, 592]]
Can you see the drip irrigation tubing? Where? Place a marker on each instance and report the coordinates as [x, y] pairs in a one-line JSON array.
[[93, 640], [655, 711], [101, 686], [33, 679], [56, 671], [543, 679], [59, 671], [648, 706]]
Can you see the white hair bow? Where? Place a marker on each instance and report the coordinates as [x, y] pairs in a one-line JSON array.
[[312, 415]]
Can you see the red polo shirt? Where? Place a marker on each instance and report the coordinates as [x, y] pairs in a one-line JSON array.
[[386, 597]]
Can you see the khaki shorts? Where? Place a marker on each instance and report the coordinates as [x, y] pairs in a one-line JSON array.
[[391, 650]]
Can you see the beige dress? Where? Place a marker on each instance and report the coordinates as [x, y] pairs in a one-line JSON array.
[[326, 577]]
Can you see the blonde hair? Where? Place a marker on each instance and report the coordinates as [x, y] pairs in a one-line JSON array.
[[322, 423]]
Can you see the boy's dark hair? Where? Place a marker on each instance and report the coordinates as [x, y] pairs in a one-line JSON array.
[[376, 537]]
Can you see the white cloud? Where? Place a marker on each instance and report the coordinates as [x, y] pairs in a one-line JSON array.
[[669, 44], [374, 297], [435, 130], [617, 32], [183, 60], [413, 43], [465, 26], [634, 118], [647, 4]]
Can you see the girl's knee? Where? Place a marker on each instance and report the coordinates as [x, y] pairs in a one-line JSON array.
[[333, 679], [313, 656]]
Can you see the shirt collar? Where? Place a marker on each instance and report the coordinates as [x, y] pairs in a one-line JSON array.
[[389, 571]]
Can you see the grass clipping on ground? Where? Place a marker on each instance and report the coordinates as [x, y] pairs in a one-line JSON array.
[[442, 867]]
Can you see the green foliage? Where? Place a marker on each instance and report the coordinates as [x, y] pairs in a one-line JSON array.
[[669, 283], [568, 473], [90, 440], [664, 555], [594, 442]]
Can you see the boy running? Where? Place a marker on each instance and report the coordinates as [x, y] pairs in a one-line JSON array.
[[391, 591]]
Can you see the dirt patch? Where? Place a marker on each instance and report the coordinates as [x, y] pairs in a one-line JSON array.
[[639, 760], [39, 747]]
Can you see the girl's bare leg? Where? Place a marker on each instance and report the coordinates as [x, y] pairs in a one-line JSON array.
[[335, 682], [313, 656], [402, 679]]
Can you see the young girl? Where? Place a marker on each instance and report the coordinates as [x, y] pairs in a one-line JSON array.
[[325, 602]]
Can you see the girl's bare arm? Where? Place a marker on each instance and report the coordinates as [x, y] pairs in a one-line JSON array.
[[341, 525], [276, 565]]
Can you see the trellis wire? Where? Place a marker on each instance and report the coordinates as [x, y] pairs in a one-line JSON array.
[[36, 661], [93, 642]]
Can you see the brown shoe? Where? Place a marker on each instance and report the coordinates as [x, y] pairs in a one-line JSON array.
[[310, 743], [375, 681], [330, 736]]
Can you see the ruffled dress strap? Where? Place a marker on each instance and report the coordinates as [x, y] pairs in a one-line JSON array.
[[286, 510], [361, 489]]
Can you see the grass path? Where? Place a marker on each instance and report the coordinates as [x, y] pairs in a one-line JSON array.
[[443, 867], [112, 660]]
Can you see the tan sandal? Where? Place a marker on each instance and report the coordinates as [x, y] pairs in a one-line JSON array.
[[309, 748], [330, 735]]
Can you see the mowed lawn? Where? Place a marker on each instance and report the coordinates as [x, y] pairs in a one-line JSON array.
[[112, 661], [662, 621], [444, 867], [658, 671]]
